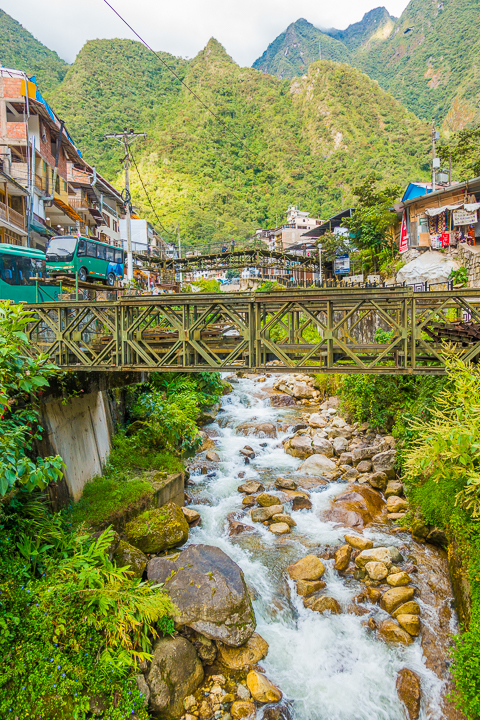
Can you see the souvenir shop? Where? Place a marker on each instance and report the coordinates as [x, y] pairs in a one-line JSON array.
[[451, 225]]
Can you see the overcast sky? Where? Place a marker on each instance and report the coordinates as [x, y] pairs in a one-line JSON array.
[[183, 27]]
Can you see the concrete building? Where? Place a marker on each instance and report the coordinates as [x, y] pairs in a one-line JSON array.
[[145, 239], [298, 223]]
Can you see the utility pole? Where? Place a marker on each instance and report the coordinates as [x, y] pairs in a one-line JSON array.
[[435, 160], [180, 253], [126, 139], [320, 276]]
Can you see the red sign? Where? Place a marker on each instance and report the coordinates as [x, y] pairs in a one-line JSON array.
[[403, 236], [445, 238]]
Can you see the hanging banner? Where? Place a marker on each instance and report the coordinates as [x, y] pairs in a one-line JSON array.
[[464, 217], [342, 265], [403, 236]]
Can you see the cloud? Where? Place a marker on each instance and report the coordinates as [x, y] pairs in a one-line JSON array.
[[182, 27]]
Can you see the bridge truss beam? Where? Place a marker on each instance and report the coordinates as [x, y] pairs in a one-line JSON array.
[[310, 331]]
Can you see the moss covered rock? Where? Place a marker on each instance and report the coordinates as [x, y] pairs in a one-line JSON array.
[[127, 554], [157, 530]]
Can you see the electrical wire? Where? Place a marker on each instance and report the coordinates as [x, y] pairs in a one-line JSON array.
[[168, 232], [197, 97]]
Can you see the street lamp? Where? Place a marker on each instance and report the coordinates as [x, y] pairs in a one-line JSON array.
[[320, 278]]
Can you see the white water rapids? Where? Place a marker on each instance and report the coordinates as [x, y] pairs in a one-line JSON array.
[[330, 667]]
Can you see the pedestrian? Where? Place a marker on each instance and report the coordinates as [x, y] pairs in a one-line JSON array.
[[224, 248], [232, 245]]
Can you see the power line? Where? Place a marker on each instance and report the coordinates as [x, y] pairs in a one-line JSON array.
[[168, 232], [197, 97]]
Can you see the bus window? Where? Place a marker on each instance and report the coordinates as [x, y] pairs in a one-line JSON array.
[[81, 247], [61, 249], [8, 269], [119, 256], [101, 252], [92, 249], [110, 254]]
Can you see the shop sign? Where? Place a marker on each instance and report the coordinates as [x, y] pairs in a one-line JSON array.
[[464, 217], [403, 236], [342, 265]]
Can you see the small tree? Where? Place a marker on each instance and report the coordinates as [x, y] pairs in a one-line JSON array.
[[333, 245], [464, 151]]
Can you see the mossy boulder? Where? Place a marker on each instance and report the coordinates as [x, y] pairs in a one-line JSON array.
[[127, 554], [157, 530]]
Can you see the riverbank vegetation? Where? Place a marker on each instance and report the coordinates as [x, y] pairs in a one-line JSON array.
[[436, 421], [74, 625]]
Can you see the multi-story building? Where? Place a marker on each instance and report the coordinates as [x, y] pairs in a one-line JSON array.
[[145, 238], [298, 223], [13, 210]]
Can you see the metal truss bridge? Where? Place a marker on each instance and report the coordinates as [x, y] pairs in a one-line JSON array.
[[373, 331]]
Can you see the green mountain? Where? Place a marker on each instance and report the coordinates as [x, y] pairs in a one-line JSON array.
[[375, 25], [431, 60], [21, 51], [269, 143], [291, 53]]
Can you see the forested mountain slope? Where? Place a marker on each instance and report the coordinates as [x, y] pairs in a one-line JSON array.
[[21, 51], [276, 144]]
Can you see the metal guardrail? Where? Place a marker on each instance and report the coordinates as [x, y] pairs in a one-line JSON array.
[[316, 330]]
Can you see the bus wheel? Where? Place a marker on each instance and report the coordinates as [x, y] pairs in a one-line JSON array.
[[83, 274], [110, 279]]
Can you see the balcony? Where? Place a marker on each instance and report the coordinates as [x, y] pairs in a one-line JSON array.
[[12, 216], [78, 203]]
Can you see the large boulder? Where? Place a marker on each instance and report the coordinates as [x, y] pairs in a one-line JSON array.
[[299, 446], [127, 554], [262, 690], [357, 508], [321, 446], [409, 692], [159, 529], [265, 513], [319, 466], [340, 445], [384, 462], [367, 453], [317, 421], [431, 267], [378, 554], [209, 592], [309, 567], [281, 400], [301, 391], [260, 430], [393, 633], [175, 672]]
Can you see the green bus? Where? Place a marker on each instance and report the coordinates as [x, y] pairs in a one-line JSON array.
[[89, 259], [18, 265]]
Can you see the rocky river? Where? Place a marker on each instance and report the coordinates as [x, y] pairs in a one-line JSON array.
[[354, 617]]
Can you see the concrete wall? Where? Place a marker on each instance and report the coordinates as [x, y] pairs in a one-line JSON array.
[[80, 431]]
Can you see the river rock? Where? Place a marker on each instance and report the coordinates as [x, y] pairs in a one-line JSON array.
[[309, 567], [207, 442], [277, 712], [191, 515], [410, 623], [393, 633], [285, 483], [396, 504], [398, 579], [339, 445], [243, 692], [302, 391], [250, 487], [396, 596], [237, 528], [342, 557], [358, 542], [157, 530], [266, 500], [260, 430], [209, 592], [350, 474], [249, 501], [322, 446], [346, 458], [262, 689], [242, 657], [379, 554], [367, 453], [262, 514], [281, 400], [127, 554], [394, 487], [301, 503], [284, 518], [323, 603], [395, 554], [212, 456], [308, 587], [364, 466], [437, 537], [317, 421], [385, 462], [376, 570], [377, 480], [373, 594], [175, 672], [243, 710], [319, 465], [299, 446], [358, 507], [408, 608], [409, 692], [280, 528]]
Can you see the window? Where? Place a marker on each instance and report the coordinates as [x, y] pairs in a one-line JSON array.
[[92, 249], [57, 185], [81, 247], [119, 256], [101, 252], [110, 254], [61, 249]]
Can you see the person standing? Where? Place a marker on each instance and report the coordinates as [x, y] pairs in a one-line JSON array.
[[232, 245]]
